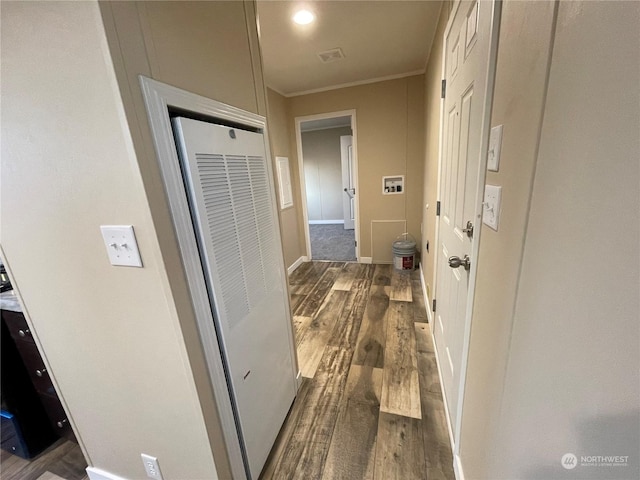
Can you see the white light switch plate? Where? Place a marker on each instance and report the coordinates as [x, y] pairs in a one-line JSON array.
[[495, 145], [121, 244], [491, 206]]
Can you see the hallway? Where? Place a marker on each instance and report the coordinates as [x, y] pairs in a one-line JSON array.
[[370, 404]]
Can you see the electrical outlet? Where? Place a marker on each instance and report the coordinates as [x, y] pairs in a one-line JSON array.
[[151, 466]]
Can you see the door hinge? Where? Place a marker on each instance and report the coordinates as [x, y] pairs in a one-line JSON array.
[[443, 93], [434, 305], [356, 243], [438, 208]]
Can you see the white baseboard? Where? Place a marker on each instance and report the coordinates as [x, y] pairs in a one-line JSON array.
[[366, 260], [427, 300], [457, 465], [444, 394], [97, 474], [296, 264], [457, 468], [299, 380], [326, 222]]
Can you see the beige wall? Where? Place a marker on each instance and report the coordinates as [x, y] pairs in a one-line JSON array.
[[414, 172], [182, 51], [323, 173], [572, 374], [109, 334], [278, 123], [433, 89], [121, 342], [390, 141]]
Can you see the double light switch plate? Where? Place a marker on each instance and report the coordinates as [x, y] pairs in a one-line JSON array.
[[491, 206], [121, 244]]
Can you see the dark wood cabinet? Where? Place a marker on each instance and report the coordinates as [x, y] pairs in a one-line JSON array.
[[27, 391]]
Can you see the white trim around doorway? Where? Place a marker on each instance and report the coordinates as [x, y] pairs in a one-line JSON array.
[[159, 99], [303, 190]]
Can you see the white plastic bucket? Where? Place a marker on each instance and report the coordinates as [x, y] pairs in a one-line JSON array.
[[404, 252]]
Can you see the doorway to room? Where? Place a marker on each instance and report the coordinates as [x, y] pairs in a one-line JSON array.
[[328, 176]]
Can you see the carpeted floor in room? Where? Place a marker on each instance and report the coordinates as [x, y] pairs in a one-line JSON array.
[[332, 242]]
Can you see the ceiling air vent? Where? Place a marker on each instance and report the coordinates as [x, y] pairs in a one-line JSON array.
[[331, 55]]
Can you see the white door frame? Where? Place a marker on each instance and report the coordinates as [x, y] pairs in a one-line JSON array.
[[303, 188], [455, 430], [348, 175], [158, 98]]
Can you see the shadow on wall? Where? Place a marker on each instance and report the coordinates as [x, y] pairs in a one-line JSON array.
[[613, 436]]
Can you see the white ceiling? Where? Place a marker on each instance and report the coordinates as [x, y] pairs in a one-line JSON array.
[[379, 39]]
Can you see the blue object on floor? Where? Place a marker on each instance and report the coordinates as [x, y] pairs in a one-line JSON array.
[[12, 440]]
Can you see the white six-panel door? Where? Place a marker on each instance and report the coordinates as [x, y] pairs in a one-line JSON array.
[[231, 202], [466, 63]]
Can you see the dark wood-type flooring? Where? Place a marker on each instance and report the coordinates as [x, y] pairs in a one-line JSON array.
[[370, 404], [63, 459]]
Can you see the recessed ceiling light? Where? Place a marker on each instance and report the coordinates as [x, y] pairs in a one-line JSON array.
[[304, 17]]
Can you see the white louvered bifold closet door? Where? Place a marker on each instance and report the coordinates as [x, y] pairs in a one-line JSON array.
[[232, 203]]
